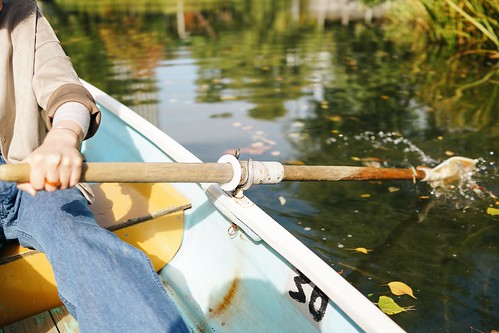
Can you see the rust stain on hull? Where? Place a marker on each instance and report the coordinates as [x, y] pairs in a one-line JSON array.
[[226, 300]]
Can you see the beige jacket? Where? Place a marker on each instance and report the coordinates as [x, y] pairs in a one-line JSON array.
[[36, 78]]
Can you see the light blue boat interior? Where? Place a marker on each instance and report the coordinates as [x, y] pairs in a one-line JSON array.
[[221, 282]]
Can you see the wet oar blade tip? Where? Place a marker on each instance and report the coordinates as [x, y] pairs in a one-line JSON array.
[[456, 168]]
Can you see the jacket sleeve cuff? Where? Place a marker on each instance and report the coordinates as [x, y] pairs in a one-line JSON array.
[[75, 112], [74, 93]]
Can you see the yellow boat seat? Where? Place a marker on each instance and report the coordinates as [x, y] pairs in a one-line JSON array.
[[148, 216]]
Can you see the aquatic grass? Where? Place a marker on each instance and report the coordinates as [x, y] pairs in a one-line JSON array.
[[458, 80], [465, 25]]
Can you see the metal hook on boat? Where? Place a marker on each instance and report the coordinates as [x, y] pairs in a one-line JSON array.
[[232, 231]]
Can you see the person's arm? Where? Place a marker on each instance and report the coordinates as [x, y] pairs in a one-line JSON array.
[[57, 163]]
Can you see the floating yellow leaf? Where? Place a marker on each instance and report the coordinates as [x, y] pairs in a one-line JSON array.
[[388, 306], [493, 211], [392, 189], [400, 288], [335, 118], [365, 195], [355, 158], [450, 153], [362, 250]]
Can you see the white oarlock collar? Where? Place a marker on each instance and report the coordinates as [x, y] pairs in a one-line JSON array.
[[236, 171]]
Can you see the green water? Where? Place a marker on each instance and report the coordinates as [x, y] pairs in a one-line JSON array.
[[282, 82]]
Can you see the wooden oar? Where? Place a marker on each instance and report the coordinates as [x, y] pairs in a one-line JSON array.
[[251, 172]]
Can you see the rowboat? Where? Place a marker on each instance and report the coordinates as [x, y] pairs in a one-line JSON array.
[[227, 265]]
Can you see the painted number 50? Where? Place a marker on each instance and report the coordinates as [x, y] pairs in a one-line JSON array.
[[316, 296]]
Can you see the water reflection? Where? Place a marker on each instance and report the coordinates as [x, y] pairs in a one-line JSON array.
[[286, 80]]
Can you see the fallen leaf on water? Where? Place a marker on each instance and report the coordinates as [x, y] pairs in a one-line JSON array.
[[335, 118], [400, 288], [388, 306], [493, 211], [365, 195], [384, 97], [355, 158], [392, 189], [449, 153], [282, 200], [362, 250]]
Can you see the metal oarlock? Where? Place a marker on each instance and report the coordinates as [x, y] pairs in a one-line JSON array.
[[261, 173]]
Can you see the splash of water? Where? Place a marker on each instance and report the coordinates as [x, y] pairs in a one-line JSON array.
[[463, 188], [396, 139]]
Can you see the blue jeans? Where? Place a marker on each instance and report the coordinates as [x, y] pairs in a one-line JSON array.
[[105, 283]]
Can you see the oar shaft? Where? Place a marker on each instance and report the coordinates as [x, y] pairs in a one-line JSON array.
[[135, 172], [339, 173], [163, 172], [157, 172]]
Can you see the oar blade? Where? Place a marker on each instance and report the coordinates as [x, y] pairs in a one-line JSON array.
[[453, 170]]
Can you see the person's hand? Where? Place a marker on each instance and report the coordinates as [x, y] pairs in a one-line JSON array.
[[57, 163]]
